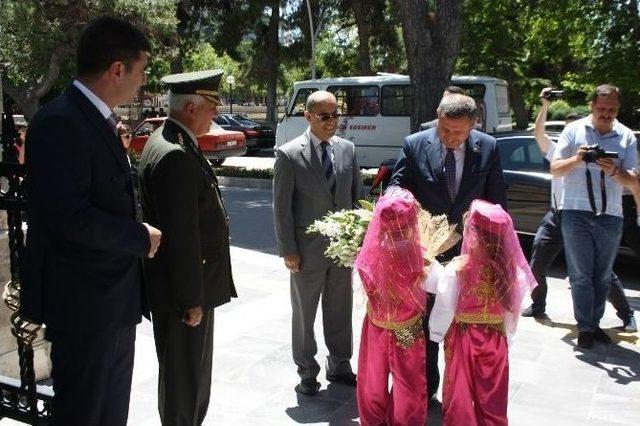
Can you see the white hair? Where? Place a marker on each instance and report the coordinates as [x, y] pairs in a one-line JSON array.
[[178, 101]]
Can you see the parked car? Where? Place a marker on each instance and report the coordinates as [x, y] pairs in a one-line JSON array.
[[216, 145], [257, 135], [526, 175], [554, 126]]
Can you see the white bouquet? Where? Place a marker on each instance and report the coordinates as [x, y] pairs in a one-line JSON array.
[[345, 230]]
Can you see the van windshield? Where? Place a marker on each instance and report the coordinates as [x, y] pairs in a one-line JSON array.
[[300, 102]]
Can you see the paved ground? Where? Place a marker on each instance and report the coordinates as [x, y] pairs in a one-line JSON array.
[[550, 382]]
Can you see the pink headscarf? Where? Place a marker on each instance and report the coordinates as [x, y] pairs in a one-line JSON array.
[[390, 261], [489, 239]]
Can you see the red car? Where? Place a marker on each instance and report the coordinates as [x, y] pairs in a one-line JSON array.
[[216, 145]]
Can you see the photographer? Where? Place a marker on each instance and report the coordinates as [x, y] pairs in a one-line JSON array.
[[548, 240], [596, 157]]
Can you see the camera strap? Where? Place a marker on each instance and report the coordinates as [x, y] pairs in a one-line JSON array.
[[603, 192]]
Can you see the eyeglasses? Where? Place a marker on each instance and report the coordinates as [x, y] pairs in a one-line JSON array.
[[326, 117]]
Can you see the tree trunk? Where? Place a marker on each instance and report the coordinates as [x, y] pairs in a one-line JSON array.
[[431, 42], [273, 61], [519, 106], [359, 9]]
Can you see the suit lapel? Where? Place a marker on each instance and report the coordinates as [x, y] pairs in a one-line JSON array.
[[471, 154], [435, 157], [98, 121], [313, 162]]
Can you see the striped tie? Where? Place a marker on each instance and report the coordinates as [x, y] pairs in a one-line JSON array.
[[450, 173], [327, 166]]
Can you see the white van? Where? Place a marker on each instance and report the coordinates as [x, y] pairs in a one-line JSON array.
[[376, 110]]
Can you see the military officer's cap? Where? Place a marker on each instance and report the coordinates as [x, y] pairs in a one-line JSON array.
[[203, 83]]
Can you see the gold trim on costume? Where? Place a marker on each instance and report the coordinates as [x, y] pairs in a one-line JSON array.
[[479, 318], [405, 332]]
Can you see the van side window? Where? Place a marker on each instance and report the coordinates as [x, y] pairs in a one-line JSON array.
[[502, 97], [356, 100], [396, 100], [299, 105]]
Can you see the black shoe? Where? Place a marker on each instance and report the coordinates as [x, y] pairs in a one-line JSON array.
[[533, 311], [585, 339], [600, 336], [348, 379], [433, 401], [308, 387]]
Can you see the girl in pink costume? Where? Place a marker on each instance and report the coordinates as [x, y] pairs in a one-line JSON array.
[[392, 270], [479, 297]]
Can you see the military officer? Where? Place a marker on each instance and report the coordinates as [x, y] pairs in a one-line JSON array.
[[191, 274]]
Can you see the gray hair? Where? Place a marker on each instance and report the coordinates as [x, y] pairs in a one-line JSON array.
[[178, 101], [318, 97], [457, 106]]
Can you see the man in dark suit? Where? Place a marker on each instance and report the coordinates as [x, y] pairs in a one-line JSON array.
[[82, 270], [191, 274], [314, 174], [446, 168]]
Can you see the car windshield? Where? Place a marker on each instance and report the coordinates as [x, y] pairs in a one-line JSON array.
[[242, 120]]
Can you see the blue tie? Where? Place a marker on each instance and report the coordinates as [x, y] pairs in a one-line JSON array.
[[450, 173], [327, 166]]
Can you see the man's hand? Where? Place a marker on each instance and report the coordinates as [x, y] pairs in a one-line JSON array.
[[154, 238], [581, 151], [543, 99], [292, 262], [192, 316], [608, 166]]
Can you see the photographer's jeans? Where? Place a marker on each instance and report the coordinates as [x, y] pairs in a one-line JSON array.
[[591, 245]]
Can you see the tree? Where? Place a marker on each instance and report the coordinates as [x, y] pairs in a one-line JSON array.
[[431, 40], [38, 41]]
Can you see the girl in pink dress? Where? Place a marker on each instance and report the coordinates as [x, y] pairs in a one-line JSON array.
[[391, 268], [478, 302]]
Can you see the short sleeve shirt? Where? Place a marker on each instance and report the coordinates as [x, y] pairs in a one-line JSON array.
[[572, 190]]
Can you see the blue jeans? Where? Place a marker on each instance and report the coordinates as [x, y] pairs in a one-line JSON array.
[[591, 244]]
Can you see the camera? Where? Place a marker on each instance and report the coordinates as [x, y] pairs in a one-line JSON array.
[[594, 152], [552, 95]]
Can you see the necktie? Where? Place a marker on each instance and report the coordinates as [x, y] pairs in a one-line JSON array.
[[327, 166], [450, 173], [113, 123]]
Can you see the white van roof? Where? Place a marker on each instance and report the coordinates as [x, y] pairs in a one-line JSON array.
[[392, 78]]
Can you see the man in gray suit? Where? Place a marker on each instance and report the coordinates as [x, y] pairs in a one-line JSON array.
[[314, 174]]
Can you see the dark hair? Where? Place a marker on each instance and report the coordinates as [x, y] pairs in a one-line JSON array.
[[455, 89], [606, 90], [106, 40]]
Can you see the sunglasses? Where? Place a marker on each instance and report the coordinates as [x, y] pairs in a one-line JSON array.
[[326, 117]]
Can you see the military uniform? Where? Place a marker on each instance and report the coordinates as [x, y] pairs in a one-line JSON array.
[[192, 267]]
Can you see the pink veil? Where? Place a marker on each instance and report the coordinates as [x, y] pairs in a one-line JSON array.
[[390, 261], [489, 240]]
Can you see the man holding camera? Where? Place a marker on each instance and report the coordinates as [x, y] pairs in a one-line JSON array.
[[547, 243], [596, 157]]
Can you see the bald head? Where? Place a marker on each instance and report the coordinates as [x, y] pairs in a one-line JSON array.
[[320, 96]]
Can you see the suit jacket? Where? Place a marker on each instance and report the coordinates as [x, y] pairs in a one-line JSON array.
[[181, 198], [81, 269], [301, 194], [420, 170]]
